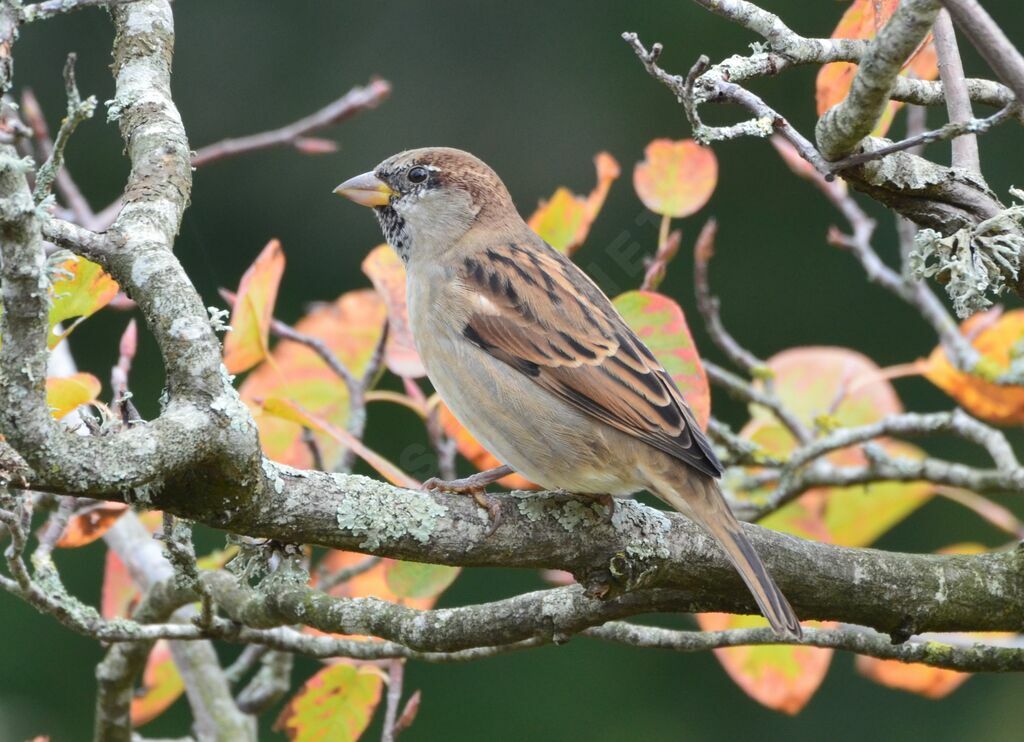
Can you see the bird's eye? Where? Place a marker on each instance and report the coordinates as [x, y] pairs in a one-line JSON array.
[[417, 174]]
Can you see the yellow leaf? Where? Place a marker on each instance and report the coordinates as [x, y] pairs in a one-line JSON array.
[[564, 220], [247, 343], [64, 394]]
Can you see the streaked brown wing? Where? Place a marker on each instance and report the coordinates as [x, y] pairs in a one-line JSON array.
[[539, 313]]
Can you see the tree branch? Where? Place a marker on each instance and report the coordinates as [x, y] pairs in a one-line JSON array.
[[842, 127], [958, 101], [990, 41]]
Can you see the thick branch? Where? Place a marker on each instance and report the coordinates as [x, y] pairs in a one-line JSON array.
[[958, 102], [990, 41], [842, 127]]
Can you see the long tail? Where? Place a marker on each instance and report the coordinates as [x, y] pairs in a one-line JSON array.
[[701, 500]]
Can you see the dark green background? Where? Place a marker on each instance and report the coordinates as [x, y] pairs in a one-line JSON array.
[[535, 89]]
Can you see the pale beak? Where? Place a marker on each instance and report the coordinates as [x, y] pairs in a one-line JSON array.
[[366, 190]]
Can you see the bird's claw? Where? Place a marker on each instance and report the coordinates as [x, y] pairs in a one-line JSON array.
[[472, 487]]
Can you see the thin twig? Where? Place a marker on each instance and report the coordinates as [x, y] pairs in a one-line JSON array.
[[949, 131], [958, 102], [708, 306], [356, 100], [396, 674], [78, 111], [66, 185]]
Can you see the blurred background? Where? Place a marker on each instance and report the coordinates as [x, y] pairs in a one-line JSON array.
[[535, 89]]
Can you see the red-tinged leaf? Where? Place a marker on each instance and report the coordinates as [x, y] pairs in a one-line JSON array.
[[295, 413], [119, 595], [781, 677], [829, 384], [315, 146], [248, 342], [387, 273], [995, 336], [848, 516], [351, 327], [660, 323], [78, 290], [836, 386], [675, 178], [336, 704], [161, 685], [86, 527], [417, 580], [564, 220], [65, 394], [862, 20]]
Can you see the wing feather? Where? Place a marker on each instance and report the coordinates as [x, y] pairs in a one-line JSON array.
[[539, 313]]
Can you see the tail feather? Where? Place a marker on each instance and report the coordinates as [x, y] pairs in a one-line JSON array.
[[704, 503]]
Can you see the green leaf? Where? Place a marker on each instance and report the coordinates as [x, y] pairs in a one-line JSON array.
[[416, 580], [660, 323], [335, 704]]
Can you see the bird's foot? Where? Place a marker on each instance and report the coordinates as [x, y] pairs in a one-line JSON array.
[[474, 486]]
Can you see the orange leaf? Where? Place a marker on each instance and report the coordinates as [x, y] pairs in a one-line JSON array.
[[564, 220], [351, 327], [293, 412], [930, 682], [387, 272], [475, 453], [247, 343], [995, 337], [781, 677], [335, 704], [64, 394], [86, 527], [862, 20], [675, 178], [161, 685]]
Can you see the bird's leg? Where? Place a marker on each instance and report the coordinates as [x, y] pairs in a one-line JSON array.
[[474, 485]]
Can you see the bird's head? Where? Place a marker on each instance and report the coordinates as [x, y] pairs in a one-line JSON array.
[[427, 199]]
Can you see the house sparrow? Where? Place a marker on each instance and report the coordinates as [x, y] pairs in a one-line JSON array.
[[534, 360]]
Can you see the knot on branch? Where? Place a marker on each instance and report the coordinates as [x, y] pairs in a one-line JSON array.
[[974, 260]]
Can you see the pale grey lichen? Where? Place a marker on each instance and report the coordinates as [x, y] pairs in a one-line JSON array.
[[631, 516], [380, 513], [270, 469], [532, 506], [217, 319], [977, 260]]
